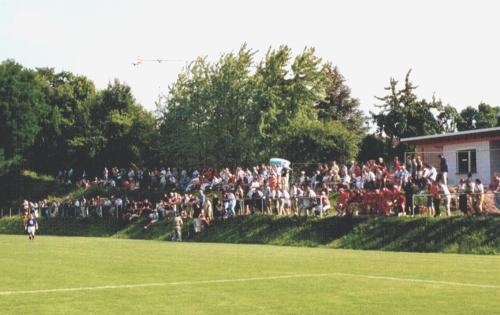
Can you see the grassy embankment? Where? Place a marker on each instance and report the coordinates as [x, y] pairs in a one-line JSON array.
[[478, 235]]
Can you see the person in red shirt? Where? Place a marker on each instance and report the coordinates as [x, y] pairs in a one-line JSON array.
[[369, 202], [388, 201], [436, 197], [399, 200], [396, 165], [378, 201], [273, 181], [342, 201]]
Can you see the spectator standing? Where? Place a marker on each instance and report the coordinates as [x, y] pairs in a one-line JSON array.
[[196, 217], [445, 192], [409, 164], [178, 227], [410, 189], [462, 196], [479, 196], [443, 168], [230, 203], [436, 197], [470, 187], [201, 198], [77, 206], [325, 203], [396, 164]]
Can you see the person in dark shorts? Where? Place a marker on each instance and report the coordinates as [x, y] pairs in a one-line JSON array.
[[31, 227]]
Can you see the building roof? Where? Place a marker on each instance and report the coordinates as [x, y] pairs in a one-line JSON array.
[[476, 133]]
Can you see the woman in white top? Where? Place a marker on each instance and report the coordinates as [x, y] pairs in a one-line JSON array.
[[479, 195], [325, 202], [447, 197]]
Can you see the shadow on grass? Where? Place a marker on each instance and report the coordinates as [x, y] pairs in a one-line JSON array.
[[475, 235]]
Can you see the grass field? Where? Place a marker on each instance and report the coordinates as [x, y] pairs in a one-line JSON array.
[[61, 275]]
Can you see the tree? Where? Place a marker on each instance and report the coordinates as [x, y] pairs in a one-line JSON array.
[[468, 118], [68, 124], [448, 118], [229, 95], [373, 146], [316, 141], [22, 108], [127, 133], [339, 105], [485, 116], [237, 112], [285, 95], [204, 118], [402, 114]]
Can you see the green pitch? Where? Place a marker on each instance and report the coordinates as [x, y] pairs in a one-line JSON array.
[[70, 275]]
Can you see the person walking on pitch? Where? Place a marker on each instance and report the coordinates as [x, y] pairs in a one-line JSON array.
[[31, 226]]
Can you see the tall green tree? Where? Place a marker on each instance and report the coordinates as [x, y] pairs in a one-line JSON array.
[[339, 105], [318, 141], [229, 105], [485, 116], [22, 110], [285, 95], [128, 133], [69, 98], [236, 111], [402, 114]]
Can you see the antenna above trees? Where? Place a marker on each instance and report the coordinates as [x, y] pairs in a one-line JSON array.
[[140, 60]]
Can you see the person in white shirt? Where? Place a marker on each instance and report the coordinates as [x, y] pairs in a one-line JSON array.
[[479, 195], [177, 228], [31, 226], [286, 201], [325, 203], [303, 178], [445, 192], [311, 200], [429, 172], [346, 181], [119, 205], [432, 173], [77, 206], [231, 203], [359, 182]]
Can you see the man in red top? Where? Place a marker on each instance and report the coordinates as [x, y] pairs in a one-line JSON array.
[[388, 201], [368, 202], [378, 201], [399, 200], [342, 201], [396, 165]]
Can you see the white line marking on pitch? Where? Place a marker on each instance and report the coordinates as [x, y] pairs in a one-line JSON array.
[[162, 284]]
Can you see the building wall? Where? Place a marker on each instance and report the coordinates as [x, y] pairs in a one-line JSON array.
[[495, 156], [430, 153], [483, 165]]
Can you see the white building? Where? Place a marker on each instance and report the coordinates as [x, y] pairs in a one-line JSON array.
[[473, 151]]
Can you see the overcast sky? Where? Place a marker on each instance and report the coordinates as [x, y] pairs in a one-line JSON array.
[[452, 46]]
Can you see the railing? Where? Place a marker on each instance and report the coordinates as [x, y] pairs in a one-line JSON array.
[[466, 202]]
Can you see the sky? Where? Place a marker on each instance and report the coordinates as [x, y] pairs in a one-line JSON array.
[[452, 47]]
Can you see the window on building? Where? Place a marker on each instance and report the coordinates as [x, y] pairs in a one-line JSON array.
[[466, 161]]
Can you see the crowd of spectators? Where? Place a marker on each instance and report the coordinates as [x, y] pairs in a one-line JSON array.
[[368, 188]]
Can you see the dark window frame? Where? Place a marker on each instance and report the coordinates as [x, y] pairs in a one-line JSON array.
[[471, 166]]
